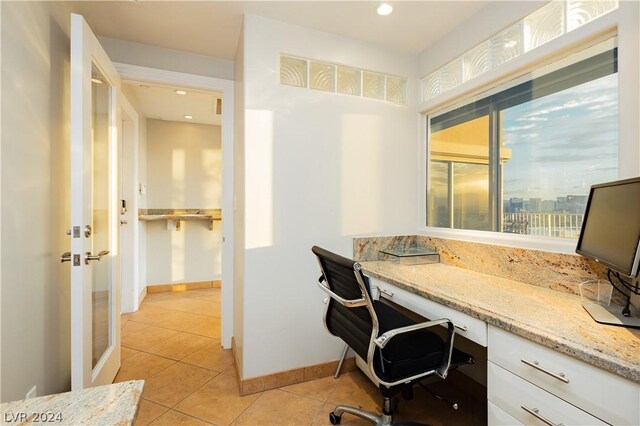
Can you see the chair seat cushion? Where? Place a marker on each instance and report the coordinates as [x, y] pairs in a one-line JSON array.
[[409, 354]]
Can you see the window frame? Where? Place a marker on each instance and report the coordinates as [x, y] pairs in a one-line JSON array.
[[553, 56], [598, 65]]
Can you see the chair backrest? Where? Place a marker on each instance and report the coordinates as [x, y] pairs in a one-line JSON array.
[[343, 277]]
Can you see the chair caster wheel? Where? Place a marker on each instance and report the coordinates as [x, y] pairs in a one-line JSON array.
[[335, 420]]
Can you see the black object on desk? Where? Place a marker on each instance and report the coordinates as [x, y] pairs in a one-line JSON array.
[[610, 235]]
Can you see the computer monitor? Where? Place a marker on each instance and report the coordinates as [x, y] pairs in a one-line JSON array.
[[610, 235], [611, 227]]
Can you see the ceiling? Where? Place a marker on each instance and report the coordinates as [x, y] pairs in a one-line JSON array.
[[212, 27], [163, 103]]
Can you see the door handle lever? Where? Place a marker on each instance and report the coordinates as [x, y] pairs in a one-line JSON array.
[[89, 257], [66, 257]]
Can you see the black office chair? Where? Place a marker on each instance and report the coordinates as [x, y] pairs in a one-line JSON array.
[[399, 351]]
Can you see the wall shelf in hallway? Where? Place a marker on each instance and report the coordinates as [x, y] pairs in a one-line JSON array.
[[175, 216]]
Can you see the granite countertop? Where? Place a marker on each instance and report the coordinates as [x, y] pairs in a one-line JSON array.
[[551, 318], [115, 404]]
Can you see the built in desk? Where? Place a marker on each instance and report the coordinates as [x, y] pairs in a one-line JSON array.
[[548, 361]]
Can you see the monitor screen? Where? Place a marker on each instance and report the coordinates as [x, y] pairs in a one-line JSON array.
[[610, 231]]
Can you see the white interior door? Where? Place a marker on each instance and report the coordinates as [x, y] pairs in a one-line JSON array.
[[95, 291]]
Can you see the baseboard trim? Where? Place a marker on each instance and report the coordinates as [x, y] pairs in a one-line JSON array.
[[158, 288], [236, 362], [289, 377], [141, 296]]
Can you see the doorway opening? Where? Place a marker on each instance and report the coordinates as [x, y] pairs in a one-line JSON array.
[[181, 190]]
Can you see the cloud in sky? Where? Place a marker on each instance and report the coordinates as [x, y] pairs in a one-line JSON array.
[[563, 142]]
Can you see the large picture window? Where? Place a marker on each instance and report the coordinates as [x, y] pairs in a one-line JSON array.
[[522, 160]]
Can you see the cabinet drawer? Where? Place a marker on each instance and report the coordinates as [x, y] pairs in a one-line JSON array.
[[530, 404], [603, 394], [496, 416], [467, 326]]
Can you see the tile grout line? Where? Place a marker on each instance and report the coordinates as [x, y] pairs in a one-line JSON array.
[[243, 411], [173, 361], [184, 414], [196, 390]]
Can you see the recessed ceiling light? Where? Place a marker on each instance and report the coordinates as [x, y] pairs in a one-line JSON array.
[[97, 81], [384, 9], [189, 117], [181, 92]]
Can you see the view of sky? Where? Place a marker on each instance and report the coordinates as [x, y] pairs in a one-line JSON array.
[[562, 143]]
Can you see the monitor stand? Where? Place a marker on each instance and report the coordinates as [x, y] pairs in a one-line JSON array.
[[612, 315]]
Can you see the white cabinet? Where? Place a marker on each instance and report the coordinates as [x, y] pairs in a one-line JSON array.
[[467, 326], [560, 384], [496, 416], [530, 404]]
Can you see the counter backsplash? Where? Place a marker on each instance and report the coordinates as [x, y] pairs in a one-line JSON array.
[[557, 271]]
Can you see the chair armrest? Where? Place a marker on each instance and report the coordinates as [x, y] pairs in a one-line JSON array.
[[349, 303], [383, 339], [441, 371]]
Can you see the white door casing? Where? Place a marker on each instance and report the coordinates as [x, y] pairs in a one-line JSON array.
[[140, 74]]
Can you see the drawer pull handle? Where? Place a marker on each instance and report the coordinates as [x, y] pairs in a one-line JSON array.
[[534, 364], [386, 293], [536, 413], [461, 327]]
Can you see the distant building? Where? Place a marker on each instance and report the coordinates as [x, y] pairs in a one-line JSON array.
[[515, 204], [561, 204], [534, 205], [576, 203], [547, 206]]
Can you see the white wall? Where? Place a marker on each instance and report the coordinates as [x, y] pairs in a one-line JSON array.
[[133, 234], [35, 199], [183, 171], [142, 204], [128, 52], [238, 197], [319, 168]]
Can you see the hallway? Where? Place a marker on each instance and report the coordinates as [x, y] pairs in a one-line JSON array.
[[172, 342]]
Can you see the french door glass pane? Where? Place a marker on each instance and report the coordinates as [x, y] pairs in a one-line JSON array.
[[471, 196], [438, 203], [560, 144], [101, 270], [459, 173]]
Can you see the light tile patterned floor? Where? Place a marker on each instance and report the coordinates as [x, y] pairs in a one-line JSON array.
[[173, 343]]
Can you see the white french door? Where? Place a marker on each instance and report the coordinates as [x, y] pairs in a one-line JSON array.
[[95, 285]]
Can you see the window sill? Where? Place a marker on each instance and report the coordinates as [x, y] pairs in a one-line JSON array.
[[551, 244]]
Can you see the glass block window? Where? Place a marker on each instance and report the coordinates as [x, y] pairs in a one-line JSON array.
[[544, 25], [322, 76], [579, 12], [475, 61], [349, 81], [293, 71], [506, 45], [396, 90], [451, 75], [373, 85], [346, 80], [431, 86], [540, 27]]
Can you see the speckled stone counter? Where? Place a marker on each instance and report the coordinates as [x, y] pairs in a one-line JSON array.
[[552, 318], [115, 404]]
